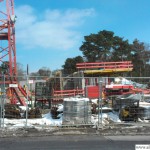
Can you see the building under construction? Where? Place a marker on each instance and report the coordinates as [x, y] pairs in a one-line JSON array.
[[83, 83]]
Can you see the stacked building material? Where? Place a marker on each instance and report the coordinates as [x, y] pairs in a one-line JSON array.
[[126, 100], [76, 111], [41, 94]]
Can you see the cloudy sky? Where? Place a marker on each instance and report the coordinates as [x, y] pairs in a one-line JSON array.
[[50, 31]]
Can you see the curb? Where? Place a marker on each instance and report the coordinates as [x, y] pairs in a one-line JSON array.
[[33, 132]]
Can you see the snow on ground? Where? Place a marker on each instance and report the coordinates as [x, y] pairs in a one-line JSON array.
[[113, 117], [60, 108], [76, 99], [49, 121], [46, 120], [105, 118], [95, 120], [24, 108], [144, 104], [94, 101]]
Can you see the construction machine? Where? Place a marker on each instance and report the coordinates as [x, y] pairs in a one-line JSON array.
[[8, 67]]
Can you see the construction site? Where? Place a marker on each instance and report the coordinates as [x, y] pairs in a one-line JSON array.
[[99, 94]]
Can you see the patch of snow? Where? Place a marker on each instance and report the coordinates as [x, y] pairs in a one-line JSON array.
[[146, 121], [113, 117], [22, 125], [23, 107], [106, 108], [46, 120], [144, 104], [103, 120], [139, 120], [60, 108], [106, 117], [125, 81], [76, 99], [94, 101]]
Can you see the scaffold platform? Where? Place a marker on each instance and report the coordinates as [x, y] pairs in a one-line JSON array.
[[105, 67]]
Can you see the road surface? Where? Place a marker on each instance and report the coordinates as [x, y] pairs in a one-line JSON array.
[[73, 142]]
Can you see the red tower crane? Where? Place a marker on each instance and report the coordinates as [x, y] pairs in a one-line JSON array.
[[8, 51], [7, 29]]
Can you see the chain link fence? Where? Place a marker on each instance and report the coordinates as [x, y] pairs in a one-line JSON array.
[[74, 101]]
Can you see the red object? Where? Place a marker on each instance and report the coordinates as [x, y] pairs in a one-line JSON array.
[[105, 65], [144, 91], [60, 94], [7, 34], [8, 50], [119, 86], [118, 89], [93, 92]]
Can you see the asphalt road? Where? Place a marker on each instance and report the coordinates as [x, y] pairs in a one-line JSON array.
[[73, 142]]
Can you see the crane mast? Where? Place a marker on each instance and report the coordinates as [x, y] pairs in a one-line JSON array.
[[7, 34], [8, 65]]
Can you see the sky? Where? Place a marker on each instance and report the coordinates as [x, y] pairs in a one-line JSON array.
[[50, 31]]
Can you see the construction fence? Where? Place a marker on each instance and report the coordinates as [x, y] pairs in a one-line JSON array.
[[74, 101]]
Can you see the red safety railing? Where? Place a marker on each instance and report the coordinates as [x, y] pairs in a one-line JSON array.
[[105, 65], [60, 94]]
